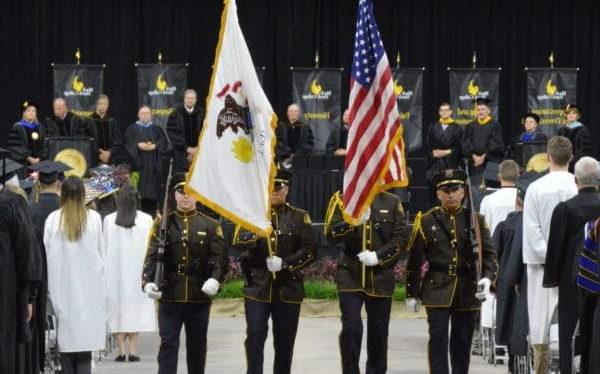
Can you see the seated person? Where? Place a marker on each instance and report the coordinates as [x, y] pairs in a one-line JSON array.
[[338, 139], [26, 138], [532, 133], [293, 137]]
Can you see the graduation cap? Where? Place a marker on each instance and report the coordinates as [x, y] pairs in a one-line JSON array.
[[49, 171], [572, 108], [283, 176], [524, 181], [535, 117], [8, 167], [483, 101], [27, 104]]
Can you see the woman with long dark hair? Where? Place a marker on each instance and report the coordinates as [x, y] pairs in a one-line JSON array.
[[125, 235], [76, 277]]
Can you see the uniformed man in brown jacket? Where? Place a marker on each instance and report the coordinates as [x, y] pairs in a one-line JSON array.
[[274, 285], [385, 235], [441, 271], [195, 263]]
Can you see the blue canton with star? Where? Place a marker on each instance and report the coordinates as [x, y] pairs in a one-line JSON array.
[[368, 47]]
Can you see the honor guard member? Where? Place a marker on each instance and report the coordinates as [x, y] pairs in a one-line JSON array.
[[441, 272], [195, 263], [274, 285], [373, 248]]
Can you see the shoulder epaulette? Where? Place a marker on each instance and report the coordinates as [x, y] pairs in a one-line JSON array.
[[434, 209], [417, 230]]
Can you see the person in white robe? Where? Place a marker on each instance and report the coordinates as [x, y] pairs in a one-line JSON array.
[[76, 278], [495, 208], [541, 198], [126, 234]]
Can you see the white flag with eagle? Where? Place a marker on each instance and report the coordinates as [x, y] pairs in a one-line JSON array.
[[233, 170]]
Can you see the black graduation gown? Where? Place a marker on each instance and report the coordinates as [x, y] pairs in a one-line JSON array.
[[292, 139], [183, 129], [17, 262], [562, 256], [512, 322], [71, 125], [148, 164], [581, 139], [440, 138], [513, 151], [21, 142], [40, 210], [337, 139], [108, 136]]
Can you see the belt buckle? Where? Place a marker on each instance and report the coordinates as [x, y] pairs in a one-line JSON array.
[[180, 270], [452, 270]]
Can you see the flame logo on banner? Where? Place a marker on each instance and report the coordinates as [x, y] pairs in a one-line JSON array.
[[551, 88], [161, 83], [315, 88], [398, 89], [77, 84], [472, 88]]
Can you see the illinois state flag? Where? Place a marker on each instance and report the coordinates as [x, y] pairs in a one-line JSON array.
[[233, 170]]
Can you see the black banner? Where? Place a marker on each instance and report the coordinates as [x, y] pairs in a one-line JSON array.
[[466, 85], [408, 88], [79, 85], [161, 86], [549, 90], [319, 93]]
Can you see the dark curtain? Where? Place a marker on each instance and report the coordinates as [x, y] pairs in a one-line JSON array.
[[435, 34]]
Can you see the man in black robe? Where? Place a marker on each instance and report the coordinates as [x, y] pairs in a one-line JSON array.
[[564, 244], [147, 144], [337, 143], [183, 128], [293, 137], [63, 122], [107, 133], [443, 145], [482, 141], [512, 321], [17, 261]]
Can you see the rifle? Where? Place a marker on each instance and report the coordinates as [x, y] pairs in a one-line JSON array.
[[473, 224], [159, 273]]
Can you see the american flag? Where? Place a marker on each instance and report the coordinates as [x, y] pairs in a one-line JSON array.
[[375, 131]]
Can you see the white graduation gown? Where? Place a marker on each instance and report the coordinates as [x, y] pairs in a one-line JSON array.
[[495, 207], [129, 308], [77, 284], [540, 200]]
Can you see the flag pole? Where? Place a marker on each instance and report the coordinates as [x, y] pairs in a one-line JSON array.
[[270, 249], [364, 248]]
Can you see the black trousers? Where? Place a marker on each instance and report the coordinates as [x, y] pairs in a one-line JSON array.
[[568, 311], [589, 328], [378, 322], [171, 317], [285, 325], [76, 362], [462, 326]]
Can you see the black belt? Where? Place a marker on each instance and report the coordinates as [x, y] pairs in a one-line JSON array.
[[185, 269], [453, 269]]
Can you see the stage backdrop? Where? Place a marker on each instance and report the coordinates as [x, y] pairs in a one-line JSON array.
[[467, 85], [79, 85], [548, 93], [319, 93], [161, 86], [408, 87]]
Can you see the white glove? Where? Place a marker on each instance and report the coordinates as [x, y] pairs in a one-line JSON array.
[[484, 285], [152, 291], [274, 263], [412, 305], [365, 217], [210, 287], [369, 258]]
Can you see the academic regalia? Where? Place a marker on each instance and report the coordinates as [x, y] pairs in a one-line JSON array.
[[71, 125], [107, 133], [183, 129], [149, 164], [76, 284], [26, 139], [513, 151], [564, 245], [542, 197], [292, 139], [129, 308], [443, 136], [337, 139], [580, 137], [512, 323], [482, 137]]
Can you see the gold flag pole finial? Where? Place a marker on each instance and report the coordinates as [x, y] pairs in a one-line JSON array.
[[551, 59], [474, 60], [78, 56], [159, 57], [317, 59], [398, 59]]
